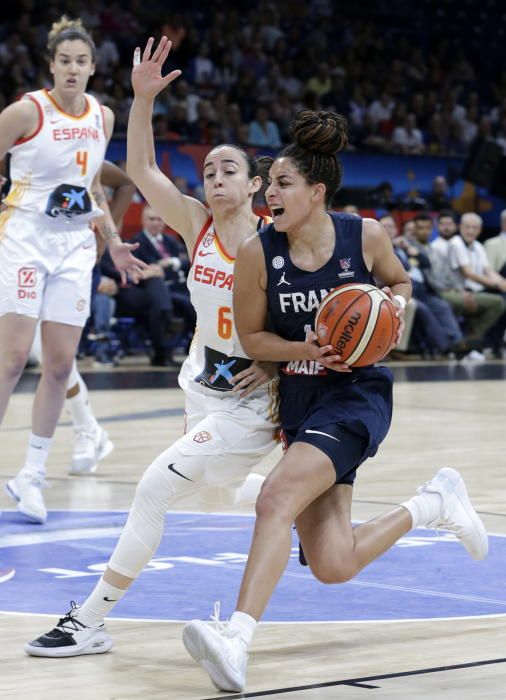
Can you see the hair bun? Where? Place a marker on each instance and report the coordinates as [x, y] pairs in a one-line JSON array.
[[320, 132]]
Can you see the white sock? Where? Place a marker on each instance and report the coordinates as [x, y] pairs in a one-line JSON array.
[[245, 624], [423, 508], [79, 408], [37, 454], [99, 603]]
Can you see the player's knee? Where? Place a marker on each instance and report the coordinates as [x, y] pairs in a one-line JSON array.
[[58, 370], [333, 571], [14, 363], [272, 502]]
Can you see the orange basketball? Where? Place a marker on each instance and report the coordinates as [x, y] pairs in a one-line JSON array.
[[359, 321]]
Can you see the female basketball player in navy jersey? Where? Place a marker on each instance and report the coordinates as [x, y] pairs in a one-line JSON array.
[[333, 417], [57, 140], [230, 401]]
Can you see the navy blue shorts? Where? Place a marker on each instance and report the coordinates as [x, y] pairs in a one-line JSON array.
[[345, 419], [345, 449]]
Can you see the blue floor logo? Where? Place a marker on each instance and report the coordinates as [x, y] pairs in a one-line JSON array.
[[201, 559]]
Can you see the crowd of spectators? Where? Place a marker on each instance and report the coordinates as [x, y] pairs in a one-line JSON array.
[[458, 308], [409, 79]]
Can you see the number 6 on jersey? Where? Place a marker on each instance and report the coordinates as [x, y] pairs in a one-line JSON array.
[[225, 322]]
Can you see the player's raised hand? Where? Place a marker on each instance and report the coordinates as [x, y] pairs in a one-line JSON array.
[[147, 78]]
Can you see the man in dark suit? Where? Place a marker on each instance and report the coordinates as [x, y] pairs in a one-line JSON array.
[[166, 254], [152, 302]]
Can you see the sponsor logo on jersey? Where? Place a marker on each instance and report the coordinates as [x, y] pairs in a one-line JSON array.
[[208, 239], [27, 276], [216, 278], [278, 262], [345, 264], [76, 133], [283, 280], [307, 367], [27, 279], [301, 301], [202, 436]]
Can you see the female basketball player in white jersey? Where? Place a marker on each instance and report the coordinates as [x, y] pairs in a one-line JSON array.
[[91, 443], [230, 417], [57, 140]]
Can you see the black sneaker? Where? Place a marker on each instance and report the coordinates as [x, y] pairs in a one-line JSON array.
[[302, 557], [71, 638]]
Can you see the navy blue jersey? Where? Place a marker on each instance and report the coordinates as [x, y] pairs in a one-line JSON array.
[[294, 294], [318, 404]]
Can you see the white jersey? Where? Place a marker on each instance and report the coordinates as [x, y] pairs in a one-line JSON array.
[[52, 170], [237, 431], [210, 282]]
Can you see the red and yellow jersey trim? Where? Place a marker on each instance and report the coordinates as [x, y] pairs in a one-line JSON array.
[[39, 124], [62, 111]]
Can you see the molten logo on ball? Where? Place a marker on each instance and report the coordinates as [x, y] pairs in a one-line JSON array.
[[359, 321], [347, 333]]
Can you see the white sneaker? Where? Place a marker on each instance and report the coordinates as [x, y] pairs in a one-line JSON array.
[[26, 490], [71, 638], [457, 514], [89, 449], [220, 651], [475, 356]]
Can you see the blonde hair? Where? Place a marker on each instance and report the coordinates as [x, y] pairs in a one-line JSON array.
[[66, 29]]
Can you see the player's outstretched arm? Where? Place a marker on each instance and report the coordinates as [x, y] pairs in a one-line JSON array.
[[184, 214]]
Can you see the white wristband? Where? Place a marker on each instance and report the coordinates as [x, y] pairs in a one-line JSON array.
[[401, 301]]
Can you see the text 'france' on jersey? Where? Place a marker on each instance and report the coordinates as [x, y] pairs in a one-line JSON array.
[[294, 294]]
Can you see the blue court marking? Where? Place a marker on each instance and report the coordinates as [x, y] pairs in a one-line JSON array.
[[201, 559]]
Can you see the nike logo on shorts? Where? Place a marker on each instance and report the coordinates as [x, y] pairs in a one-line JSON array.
[[319, 432], [110, 600], [173, 469]]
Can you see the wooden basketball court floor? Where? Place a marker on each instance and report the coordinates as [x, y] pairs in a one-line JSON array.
[[445, 415]]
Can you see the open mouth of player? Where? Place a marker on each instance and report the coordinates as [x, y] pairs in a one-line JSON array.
[[277, 212]]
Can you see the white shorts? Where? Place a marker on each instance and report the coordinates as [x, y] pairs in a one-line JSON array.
[[238, 432], [44, 273]]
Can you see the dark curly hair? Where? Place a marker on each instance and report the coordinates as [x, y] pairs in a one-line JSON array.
[[317, 139]]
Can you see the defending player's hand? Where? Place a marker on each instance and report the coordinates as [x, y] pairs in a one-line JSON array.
[[147, 78], [125, 262], [257, 374]]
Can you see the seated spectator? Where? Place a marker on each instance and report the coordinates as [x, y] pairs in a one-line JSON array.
[[446, 225], [408, 139], [103, 307], [149, 302], [428, 319], [263, 131], [383, 197], [468, 258], [495, 248], [381, 109], [321, 81], [169, 260], [437, 198]]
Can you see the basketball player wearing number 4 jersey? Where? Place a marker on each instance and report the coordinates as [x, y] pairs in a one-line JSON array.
[[46, 224]]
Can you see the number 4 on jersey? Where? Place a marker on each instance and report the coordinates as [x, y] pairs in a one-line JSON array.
[[82, 161]]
